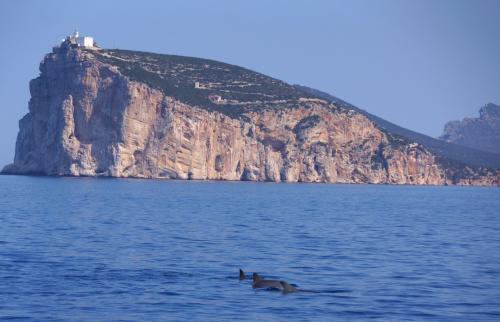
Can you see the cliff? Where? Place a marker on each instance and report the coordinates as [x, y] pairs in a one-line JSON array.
[[481, 133], [131, 114]]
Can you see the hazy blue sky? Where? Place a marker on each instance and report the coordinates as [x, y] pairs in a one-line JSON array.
[[416, 63]]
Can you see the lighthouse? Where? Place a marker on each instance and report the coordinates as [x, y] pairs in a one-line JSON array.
[[80, 41], [84, 41]]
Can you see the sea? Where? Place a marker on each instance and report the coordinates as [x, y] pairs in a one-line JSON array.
[[88, 249]]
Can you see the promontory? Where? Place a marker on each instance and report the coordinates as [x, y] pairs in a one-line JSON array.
[[120, 113]]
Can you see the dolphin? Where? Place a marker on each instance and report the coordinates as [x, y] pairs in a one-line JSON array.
[[287, 288], [259, 282]]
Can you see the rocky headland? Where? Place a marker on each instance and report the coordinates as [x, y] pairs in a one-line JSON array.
[[481, 133], [122, 113]]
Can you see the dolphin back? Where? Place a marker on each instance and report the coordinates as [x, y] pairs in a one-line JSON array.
[[256, 278], [287, 288]]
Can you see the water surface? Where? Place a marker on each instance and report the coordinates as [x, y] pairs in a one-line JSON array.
[[120, 250]]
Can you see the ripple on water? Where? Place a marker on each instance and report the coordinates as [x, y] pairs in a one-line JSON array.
[[84, 249]]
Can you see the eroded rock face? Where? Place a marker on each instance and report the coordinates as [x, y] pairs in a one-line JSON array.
[[481, 133], [87, 119]]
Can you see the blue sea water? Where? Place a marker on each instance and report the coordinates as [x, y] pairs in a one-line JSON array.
[[84, 249]]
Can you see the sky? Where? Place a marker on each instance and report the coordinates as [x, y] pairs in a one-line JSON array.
[[418, 63]]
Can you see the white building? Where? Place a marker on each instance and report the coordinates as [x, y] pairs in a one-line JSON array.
[[84, 41], [215, 98]]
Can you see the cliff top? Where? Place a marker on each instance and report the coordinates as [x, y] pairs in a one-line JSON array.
[[207, 83], [490, 110]]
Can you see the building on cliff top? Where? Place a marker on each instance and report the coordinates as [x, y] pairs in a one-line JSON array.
[[80, 41]]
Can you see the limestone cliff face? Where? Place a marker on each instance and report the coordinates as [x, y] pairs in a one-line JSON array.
[[88, 117], [480, 133]]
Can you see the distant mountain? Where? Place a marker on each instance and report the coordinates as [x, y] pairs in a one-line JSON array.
[[480, 133], [122, 113]]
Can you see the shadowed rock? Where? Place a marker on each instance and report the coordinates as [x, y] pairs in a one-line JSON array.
[[480, 133]]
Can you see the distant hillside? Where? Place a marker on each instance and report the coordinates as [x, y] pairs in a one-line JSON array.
[[454, 152], [480, 133]]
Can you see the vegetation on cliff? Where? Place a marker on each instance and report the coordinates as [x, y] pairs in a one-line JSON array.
[[205, 83]]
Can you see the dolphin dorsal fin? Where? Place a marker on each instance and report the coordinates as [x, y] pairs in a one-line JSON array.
[[256, 278], [242, 274], [287, 288]]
